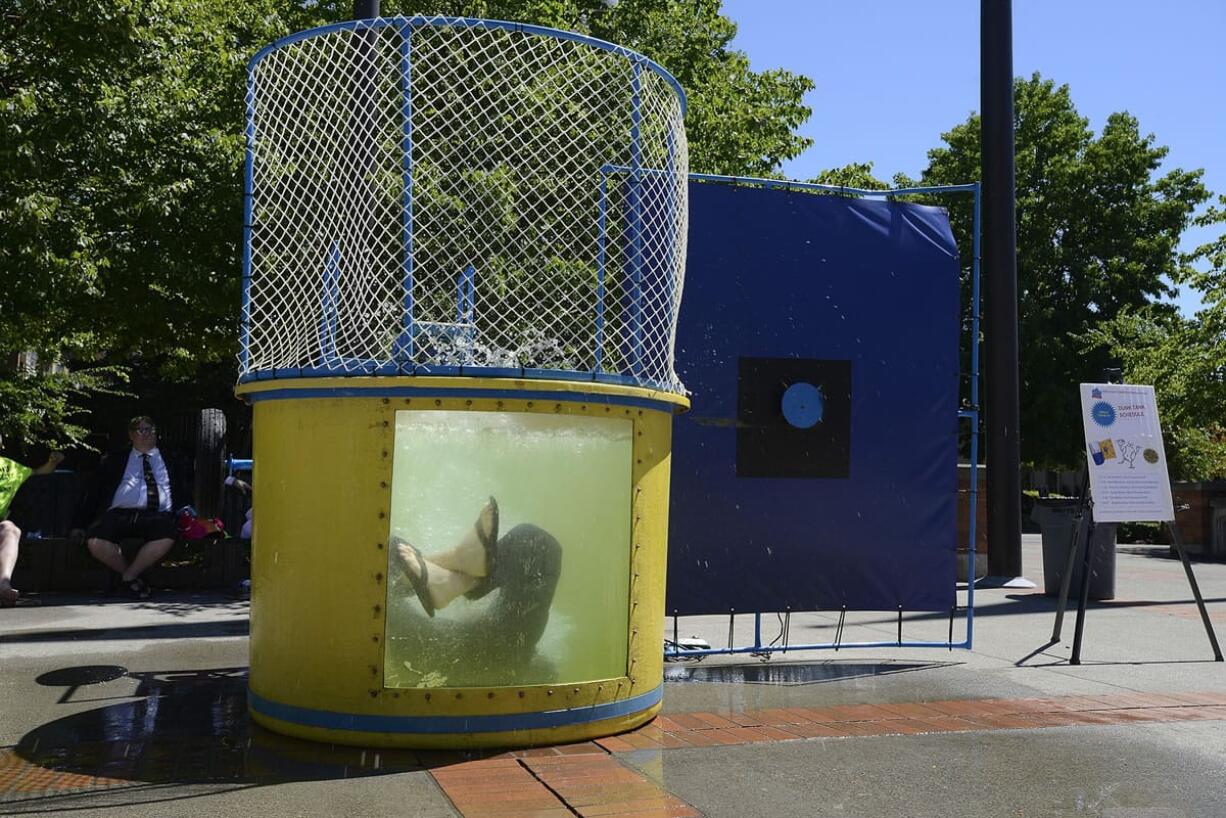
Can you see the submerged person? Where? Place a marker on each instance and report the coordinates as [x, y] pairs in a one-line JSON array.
[[523, 567]]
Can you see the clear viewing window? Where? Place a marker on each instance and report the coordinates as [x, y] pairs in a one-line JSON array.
[[509, 549]]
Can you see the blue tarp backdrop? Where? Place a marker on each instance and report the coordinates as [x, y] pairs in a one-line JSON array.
[[819, 338]]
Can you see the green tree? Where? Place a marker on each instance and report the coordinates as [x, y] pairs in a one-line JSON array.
[[1097, 235], [857, 175], [120, 191], [121, 170], [739, 122], [1184, 359]]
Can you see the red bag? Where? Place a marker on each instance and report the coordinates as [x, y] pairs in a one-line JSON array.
[[194, 529]]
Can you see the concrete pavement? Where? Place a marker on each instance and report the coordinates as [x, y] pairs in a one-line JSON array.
[[124, 708]]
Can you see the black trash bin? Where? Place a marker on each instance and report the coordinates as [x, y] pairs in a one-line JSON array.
[[1056, 519]]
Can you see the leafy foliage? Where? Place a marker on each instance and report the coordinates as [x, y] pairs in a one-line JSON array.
[[857, 174], [121, 168], [45, 409], [1186, 363], [1097, 237], [740, 122], [1184, 359]]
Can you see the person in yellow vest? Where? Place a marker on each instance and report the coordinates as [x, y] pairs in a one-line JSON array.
[[12, 475]]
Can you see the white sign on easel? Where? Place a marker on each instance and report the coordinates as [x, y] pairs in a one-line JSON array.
[[1126, 459]]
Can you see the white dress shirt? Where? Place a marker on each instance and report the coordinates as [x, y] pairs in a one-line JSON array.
[[131, 492]]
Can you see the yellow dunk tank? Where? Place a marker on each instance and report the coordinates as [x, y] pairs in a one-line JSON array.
[[462, 269]]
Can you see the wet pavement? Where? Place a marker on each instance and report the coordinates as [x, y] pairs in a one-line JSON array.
[[127, 708]]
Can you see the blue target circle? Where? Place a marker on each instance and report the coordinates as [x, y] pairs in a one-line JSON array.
[[803, 405], [1103, 413]]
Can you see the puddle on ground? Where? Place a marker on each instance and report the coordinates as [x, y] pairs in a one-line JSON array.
[[791, 674]]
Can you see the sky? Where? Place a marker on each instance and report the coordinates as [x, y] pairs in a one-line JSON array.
[[893, 75]]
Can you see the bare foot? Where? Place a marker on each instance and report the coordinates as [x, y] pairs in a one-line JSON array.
[[8, 596]]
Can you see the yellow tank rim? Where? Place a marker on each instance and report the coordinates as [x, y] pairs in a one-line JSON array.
[[463, 387]]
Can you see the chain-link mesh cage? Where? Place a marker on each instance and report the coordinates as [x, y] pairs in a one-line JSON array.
[[455, 196]]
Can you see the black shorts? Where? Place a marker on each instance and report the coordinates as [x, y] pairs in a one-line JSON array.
[[120, 523]]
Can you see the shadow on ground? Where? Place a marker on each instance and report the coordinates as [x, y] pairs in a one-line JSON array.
[[184, 728], [800, 673]]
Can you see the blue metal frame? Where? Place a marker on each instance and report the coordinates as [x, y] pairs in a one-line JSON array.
[[329, 307], [636, 225], [248, 202], [404, 344], [970, 414], [602, 223]]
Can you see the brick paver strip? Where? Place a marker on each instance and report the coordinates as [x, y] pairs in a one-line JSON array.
[[585, 779], [677, 730], [545, 785], [595, 786]]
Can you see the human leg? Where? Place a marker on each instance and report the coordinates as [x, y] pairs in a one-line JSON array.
[[103, 536], [150, 553], [475, 554], [107, 553], [436, 586], [10, 536]]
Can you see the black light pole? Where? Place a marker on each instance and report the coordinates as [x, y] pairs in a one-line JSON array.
[[1001, 414], [363, 9]]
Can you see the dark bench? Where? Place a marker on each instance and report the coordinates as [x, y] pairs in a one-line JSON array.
[[57, 564], [48, 561]]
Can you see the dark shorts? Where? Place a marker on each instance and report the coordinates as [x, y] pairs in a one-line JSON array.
[[121, 523]]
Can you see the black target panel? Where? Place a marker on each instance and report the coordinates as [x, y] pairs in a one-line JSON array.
[[768, 444]]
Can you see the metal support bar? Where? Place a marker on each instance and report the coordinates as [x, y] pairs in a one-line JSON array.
[[1081, 541], [1000, 256], [1079, 628], [329, 306], [602, 227], [820, 646], [244, 341], [1177, 541], [635, 227], [404, 351], [1081, 537]]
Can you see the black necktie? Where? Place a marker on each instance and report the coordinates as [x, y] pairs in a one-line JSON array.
[[153, 500]]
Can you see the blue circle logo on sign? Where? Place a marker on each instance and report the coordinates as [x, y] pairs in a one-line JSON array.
[[1103, 413]]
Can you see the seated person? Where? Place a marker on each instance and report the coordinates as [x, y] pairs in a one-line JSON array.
[[12, 475], [136, 493], [523, 567]]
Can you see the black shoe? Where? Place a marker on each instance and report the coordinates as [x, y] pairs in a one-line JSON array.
[[137, 588]]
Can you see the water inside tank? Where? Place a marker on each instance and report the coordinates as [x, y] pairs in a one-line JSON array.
[[553, 605]]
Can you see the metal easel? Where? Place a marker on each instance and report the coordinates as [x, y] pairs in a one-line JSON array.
[[1083, 532]]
